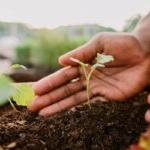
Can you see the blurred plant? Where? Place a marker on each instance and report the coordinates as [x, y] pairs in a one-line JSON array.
[[50, 45], [6, 89], [23, 52], [131, 23], [21, 93], [45, 48]]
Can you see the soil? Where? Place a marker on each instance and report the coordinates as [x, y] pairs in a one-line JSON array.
[[104, 126]]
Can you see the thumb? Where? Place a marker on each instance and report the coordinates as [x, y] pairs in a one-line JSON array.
[[84, 53]]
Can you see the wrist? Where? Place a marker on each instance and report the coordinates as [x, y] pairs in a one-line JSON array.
[[142, 33]]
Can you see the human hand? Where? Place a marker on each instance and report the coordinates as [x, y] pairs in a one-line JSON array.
[[127, 75]]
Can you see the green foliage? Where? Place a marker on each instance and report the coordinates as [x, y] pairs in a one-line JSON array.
[[23, 95], [49, 46], [6, 89], [23, 52], [45, 48], [131, 23], [101, 59], [18, 66]]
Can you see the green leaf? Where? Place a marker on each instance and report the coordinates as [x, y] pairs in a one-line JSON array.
[[102, 59], [6, 89], [24, 94], [18, 66], [98, 65]]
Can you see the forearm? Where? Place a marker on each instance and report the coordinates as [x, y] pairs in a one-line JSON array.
[[142, 32]]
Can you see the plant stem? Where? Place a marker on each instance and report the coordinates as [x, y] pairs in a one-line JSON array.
[[88, 85], [12, 105], [84, 70], [87, 77]]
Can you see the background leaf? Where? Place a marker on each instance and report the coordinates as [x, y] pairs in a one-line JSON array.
[[6, 89], [18, 66], [24, 94]]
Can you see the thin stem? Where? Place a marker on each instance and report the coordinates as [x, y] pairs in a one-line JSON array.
[[88, 85], [12, 105], [84, 70]]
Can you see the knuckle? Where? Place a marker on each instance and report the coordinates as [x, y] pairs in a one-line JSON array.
[[132, 38], [100, 35], [59, 107], [65, 75], [50, 98], [68, 90], [50, 84]]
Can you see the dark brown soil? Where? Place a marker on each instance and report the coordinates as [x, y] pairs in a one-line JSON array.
[[106, 126]]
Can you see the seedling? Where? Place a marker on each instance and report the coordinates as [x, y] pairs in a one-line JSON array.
[[21, 93], [18, 66], [101, 59]]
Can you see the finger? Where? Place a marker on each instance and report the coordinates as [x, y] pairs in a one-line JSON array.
[[54, 96], [85, 53], [148, 99], [64, 104], [147, 116], [55, 80]]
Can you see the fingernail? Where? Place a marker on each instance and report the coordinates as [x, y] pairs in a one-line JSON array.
[[147, 116]]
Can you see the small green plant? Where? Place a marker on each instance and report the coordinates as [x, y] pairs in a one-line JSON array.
[[101, 59], [21, 93], [18, 66]]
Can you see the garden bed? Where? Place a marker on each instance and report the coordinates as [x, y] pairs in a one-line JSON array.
[[106, 126]]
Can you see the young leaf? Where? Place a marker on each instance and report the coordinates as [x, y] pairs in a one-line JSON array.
[[6, 89], [102, 59], [98, 65], [18, 66], [24, 94]]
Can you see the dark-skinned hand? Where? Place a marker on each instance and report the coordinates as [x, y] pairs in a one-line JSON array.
[[127, 75]]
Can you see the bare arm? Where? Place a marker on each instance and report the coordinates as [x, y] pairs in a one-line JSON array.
[[142, 32]]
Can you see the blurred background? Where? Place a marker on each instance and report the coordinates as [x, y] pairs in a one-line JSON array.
[[35, 33]]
